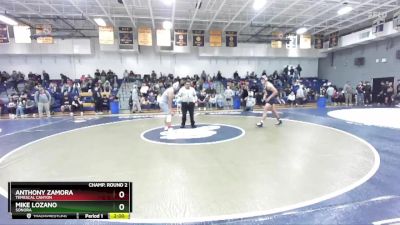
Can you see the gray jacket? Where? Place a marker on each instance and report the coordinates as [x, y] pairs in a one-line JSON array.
[[45, 98]]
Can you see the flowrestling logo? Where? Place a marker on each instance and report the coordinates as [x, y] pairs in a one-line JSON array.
[[203, 134]]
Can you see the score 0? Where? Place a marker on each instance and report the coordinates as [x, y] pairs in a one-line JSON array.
[[121, 196]]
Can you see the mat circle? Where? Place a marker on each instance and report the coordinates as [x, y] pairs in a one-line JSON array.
[[202, 134]]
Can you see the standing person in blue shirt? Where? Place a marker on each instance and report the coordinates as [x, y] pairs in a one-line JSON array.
[[43, 99]]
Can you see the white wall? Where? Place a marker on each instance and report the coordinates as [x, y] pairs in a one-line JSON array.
[[343, 68], [146, 61]]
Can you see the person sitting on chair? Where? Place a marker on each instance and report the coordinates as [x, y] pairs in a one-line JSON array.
[[76, 105], [250, 102]]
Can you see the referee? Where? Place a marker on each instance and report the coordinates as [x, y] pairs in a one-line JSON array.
[[188, 97]]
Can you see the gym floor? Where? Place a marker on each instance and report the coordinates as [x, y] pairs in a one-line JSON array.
[[313, 169]]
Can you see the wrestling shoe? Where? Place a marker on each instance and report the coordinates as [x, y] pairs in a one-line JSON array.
[[279, 122]]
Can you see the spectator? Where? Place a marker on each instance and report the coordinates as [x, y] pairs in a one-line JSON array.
[[77, 105], [397, 96], [29, 107], [105, 103], [66, 103], [1, 107], [12, 108], [97, 75], [291, 71], [153, 76], [43, 99], [21, 103], [201, 100], [250, 102], [348, 93], [337, 97], [382, 93], [299, 69], [291, 98], [236, 75], [103, 76], [389, 95], [144, 89], [46, 79], [220, 101], [107, 88], [131, 76], [135, 100], [264, 73], [398, 87], [300, 96], [330, 91], [115, 83], [144, 102], [228, 97], [98, 101], [152, 100], [212, 102], [76, 88], [110, 75], [219, 76], [64, 78], [243, 95], [82, 79], [360, 94], [367, 94], [286, 70], [126, 76]]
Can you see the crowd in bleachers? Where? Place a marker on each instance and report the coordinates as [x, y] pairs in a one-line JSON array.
[[218, 92], [361, 94], [25, 95], [38, 94]]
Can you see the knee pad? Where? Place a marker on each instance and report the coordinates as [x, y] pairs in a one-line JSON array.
[[169, 119]]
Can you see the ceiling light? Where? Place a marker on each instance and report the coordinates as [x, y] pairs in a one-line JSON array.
[[301, 30], [258, 4], [167, 25], [344, 10], [8, 20], [100, 22], [168, 2]]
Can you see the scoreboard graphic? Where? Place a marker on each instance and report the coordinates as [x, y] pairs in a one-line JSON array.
[[70, 200]]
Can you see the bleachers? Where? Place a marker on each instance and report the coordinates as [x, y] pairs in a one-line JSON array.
[[88, 101], [124, 91]]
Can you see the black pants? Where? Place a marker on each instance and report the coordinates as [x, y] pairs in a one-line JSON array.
[[367, 98], [185, 108], [77, 108], [98, 105]]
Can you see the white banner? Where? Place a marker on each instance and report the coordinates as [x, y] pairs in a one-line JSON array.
[[22, 34], [305, 41], [106, 35], [164, 37]]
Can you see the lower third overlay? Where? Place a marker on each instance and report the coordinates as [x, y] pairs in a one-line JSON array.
[[70, 200]]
